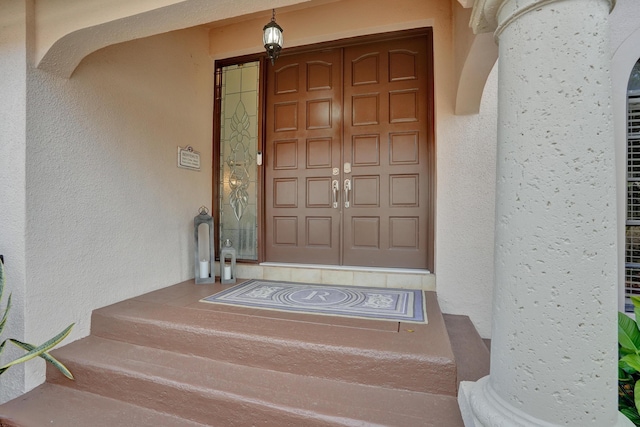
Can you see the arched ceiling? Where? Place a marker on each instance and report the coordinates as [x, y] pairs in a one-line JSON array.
[[69, 30]]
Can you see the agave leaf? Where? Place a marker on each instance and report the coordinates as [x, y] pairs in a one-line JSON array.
[[3, 322], [2, 279], [628, 333], [46, 356], [37, 351], [6, 310]]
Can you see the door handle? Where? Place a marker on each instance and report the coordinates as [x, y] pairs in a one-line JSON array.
[[335, 185], [347, 187]]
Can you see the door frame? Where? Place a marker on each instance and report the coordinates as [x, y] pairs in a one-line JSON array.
[[430, 143]]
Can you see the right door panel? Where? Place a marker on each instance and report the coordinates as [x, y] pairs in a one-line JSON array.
[[386, 124]]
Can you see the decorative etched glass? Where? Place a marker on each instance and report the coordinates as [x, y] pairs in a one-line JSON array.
[[238, 148]]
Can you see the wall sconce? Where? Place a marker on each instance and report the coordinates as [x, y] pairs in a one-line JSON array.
[[201, 267], [227, 271], [272, 38]]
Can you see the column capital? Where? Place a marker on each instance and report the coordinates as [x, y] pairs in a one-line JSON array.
[[495, 15]]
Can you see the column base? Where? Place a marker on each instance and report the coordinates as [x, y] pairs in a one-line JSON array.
[[481, 406]]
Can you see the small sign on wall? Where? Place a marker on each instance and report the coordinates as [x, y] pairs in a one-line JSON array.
[[188, 159]]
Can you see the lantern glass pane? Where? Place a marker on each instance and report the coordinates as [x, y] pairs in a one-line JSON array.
[[238, 196], [272, 35]]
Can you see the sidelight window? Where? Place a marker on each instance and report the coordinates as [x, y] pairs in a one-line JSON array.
[[238, 192]]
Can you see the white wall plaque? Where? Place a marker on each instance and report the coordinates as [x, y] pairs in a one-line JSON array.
[[188, 159]]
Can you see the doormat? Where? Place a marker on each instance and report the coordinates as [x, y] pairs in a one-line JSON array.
[[400, 305]]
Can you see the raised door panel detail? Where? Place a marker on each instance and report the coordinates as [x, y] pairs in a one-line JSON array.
[[285, 154], [403, 101], [286, 79], [285, 116], [366, 191], [403, 148], [404, 232], [285, 193], [285, 230], [366, 150], [319, 153], [365, 69], [404, 190], [319, 76], [319, 192], [302, 137], [402, 65], [319, 231], [403, 106], [366, 232], [365, 109], [319, 114]]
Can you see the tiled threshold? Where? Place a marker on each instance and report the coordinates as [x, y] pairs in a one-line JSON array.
[[339, 275]]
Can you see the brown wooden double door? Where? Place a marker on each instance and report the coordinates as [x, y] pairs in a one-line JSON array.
[[346, 156]]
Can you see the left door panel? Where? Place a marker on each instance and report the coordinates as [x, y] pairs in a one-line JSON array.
[[302, 158]]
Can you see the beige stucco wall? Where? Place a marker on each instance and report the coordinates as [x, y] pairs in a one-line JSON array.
[[109, 214]]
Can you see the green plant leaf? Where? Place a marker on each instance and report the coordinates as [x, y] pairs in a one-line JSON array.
[[628, 333], [632, 360], [632, 414], [46, 356], [622, 375], [37, 351], [6, 310], [636, 395], [3, 322], [2, 279]]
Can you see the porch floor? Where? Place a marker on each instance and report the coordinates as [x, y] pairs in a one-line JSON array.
[[164, 358]]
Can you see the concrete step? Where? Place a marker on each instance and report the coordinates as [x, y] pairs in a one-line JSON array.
[[470, 351], [211, 392], [165, 359], [54, 405], [405, 356]]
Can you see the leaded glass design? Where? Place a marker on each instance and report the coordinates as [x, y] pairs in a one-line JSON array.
[[238, 169]]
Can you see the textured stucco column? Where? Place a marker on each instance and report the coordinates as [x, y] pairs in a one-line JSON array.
[[554, 341]]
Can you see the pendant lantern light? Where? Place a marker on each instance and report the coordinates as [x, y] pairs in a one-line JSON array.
[[272, 38]]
